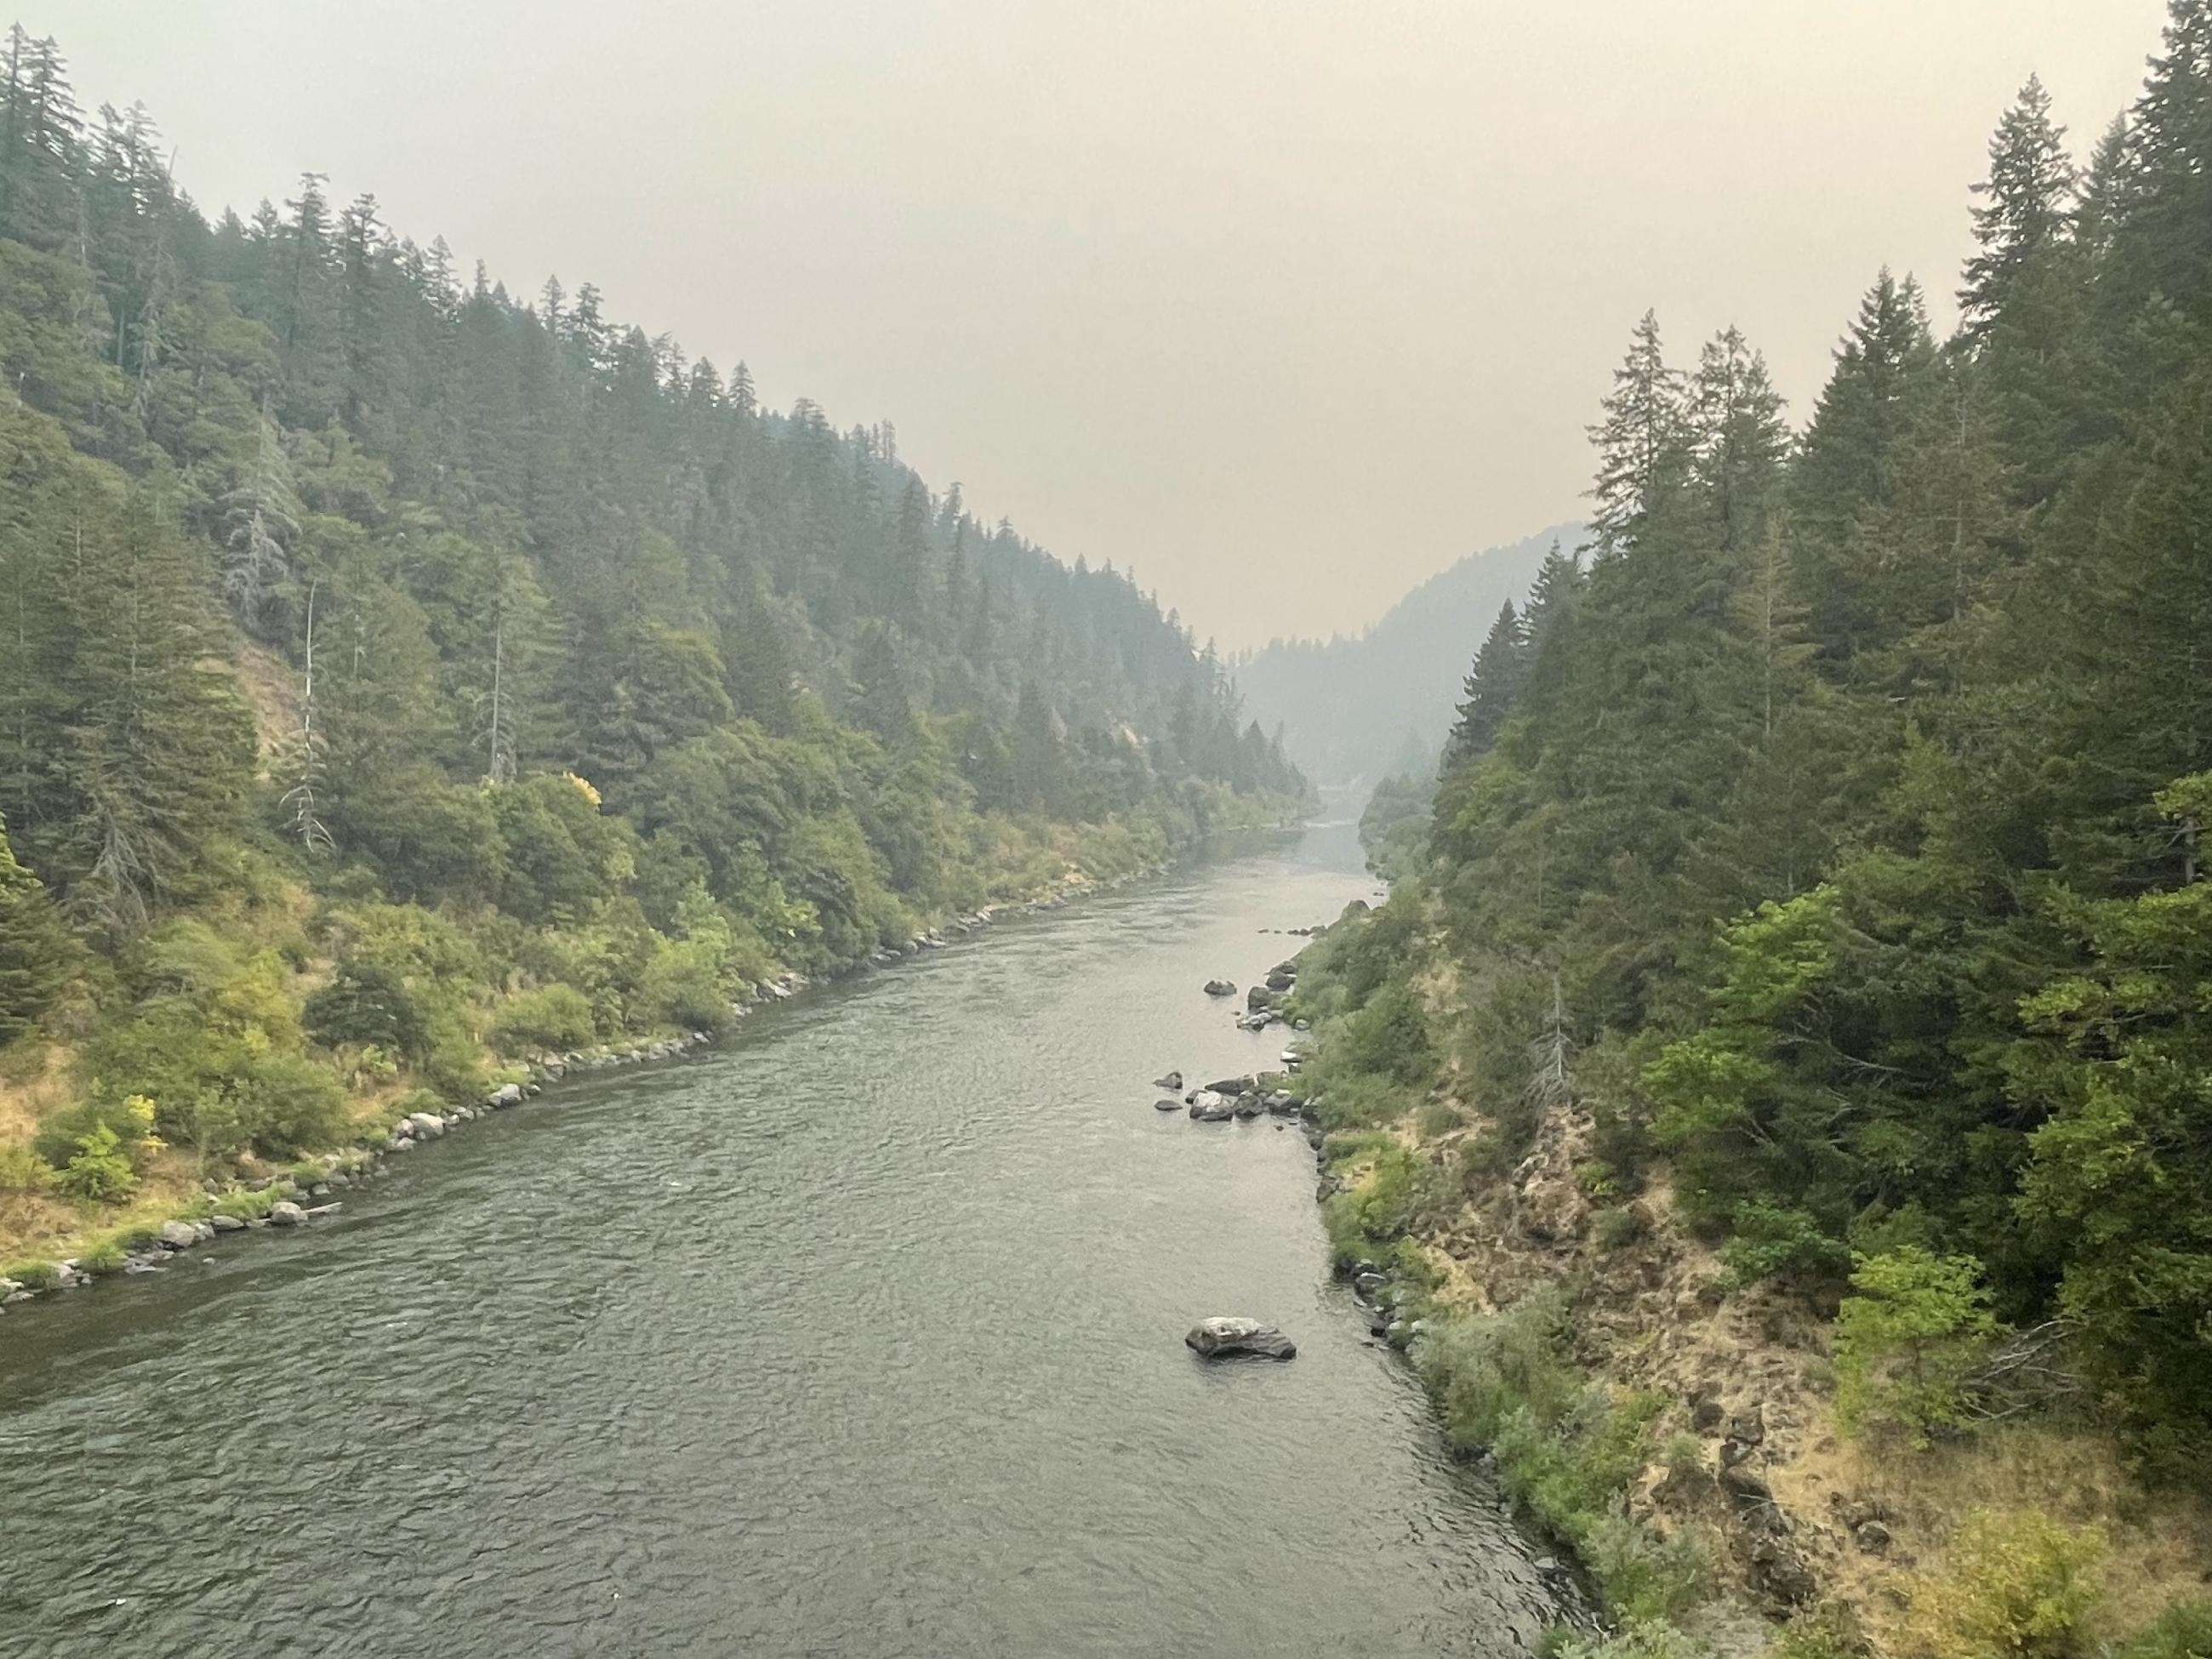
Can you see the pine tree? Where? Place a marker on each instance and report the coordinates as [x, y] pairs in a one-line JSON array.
[[263, 519], [36, 948], [1492, 689], [2029, 201], [1739, 439], [2160, 245], [157, 746], [1643, 443]]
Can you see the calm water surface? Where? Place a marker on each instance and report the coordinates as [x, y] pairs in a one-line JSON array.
[[859, 1333]]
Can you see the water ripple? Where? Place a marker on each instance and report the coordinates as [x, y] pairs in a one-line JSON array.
[[857, 1336]]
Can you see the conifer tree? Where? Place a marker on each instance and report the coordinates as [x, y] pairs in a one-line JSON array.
[[36, 948], [1643, 442], [2028, 204], [1492, 687]]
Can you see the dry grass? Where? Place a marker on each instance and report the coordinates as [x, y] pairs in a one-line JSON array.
[[2161, 1541]]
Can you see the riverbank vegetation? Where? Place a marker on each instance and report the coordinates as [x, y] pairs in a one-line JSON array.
[[399, 678], [1802, 983]]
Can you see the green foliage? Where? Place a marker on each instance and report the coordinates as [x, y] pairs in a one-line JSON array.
[[2120, 1056], [100, 1169], [1643, 1638], [366, 1003], [1617, 1228], [32, 1275], [1644, 1576], [556, 1017], [1909, 1337], [2017, 1583], [1401, 1187], [2182, 1631], [1566, 1451], [1770, 1242], [102, 1258], [22, 1170], [1389, 1037], [35, 949]]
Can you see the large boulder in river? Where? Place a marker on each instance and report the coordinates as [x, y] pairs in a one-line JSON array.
[[1233, 1086], [179, 1235], [1219, 988], [1208, 1106], [1259, 997], [1226, 1338], [1171, 1082], [285, 1214], [1169, 1103]]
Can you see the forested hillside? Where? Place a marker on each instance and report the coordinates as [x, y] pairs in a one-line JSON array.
[[1356, 708], [398, 676], [1832, 838]]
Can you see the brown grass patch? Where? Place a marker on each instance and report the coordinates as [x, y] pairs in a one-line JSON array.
[[2161, 1541]]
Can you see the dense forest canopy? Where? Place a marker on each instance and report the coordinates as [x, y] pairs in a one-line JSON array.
[[1844, 810], [360, 611]]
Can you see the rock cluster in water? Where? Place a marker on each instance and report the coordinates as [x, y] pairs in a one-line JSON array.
[[1222, 1337]]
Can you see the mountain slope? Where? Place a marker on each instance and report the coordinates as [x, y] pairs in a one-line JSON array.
[[1357, 708], [398, 680]]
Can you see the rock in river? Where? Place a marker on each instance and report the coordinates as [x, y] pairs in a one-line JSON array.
[[1208, 1107], [1171, 1082], [1219, 988], [1222, 1337], [286, 1214], [1168, 1105]]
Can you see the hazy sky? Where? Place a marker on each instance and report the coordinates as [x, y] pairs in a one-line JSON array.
[[1287, 305]]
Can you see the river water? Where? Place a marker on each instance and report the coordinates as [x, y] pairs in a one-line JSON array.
[[860, 1333]]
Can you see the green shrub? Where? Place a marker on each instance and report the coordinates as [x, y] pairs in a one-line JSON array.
[[1389, 1038], [1438, 1119], [682, 987], [1827, 1634], [368, 1004], [1643, 1575], [1566, 1451], [249, 1204], [22, 1170], [102, 1258], [1618, 1228], [1772, 1242], [32, 1275], [1481, 1369], [2182, 1631], [556, 1017], [1597, 1181], [1908, 1338], [2018, 1584], [1647, 1638], [99, 1170]]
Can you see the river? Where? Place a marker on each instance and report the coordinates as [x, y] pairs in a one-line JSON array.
[[858, 1333]]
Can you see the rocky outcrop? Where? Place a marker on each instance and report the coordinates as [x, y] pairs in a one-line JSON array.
[[1222, 1337]]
